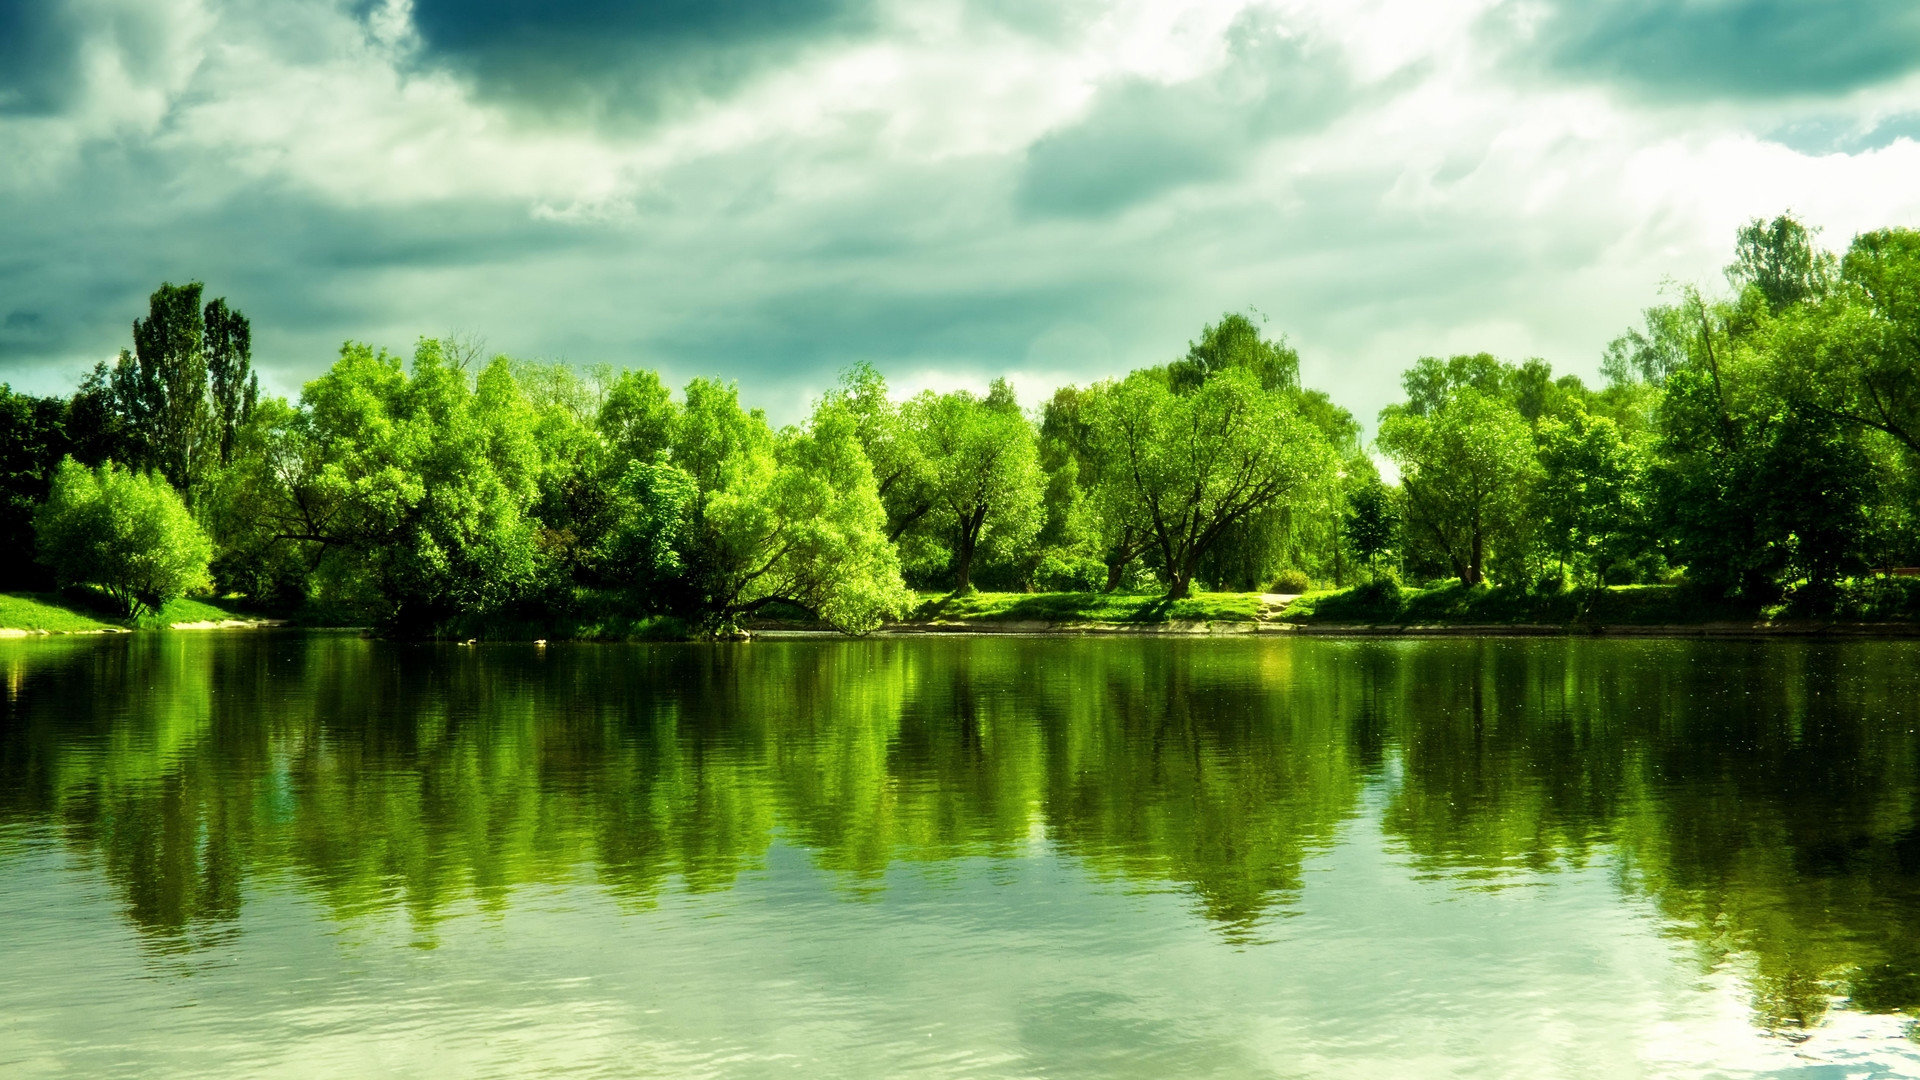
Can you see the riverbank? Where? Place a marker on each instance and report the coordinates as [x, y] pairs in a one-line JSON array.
[[1879, 608], [1872, 608], [35, 614]]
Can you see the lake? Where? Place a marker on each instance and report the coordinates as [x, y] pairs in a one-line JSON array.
[[280, 854]]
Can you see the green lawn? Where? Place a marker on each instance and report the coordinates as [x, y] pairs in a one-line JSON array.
[[1072, 607], [187, 610], [63, 614], [47, 611]]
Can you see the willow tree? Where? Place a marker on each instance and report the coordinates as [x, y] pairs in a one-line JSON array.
[[1190, 466]]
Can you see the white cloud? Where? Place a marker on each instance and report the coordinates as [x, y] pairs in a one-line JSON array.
[[861, 200]]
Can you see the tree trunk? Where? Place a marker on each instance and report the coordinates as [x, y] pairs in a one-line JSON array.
[[963, 558], [1474, 560], [1115, 571]]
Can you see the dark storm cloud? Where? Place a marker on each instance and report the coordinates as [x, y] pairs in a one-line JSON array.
[[1141, 138], [619, 56], [39, 47], [1733, 49], [41, 43], [309, 273]]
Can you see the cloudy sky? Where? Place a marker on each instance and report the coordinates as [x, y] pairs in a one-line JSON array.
[[1056, 190]]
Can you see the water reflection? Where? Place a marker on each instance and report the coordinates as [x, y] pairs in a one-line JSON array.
[[1762, 796]]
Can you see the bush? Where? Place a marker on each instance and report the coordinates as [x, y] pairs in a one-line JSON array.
[[1059, 571], [1869, 598], [1291, 580], [127, 533]]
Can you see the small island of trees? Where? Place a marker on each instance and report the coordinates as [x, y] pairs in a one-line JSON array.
[[1757, 447]]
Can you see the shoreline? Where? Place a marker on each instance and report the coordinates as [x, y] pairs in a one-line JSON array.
[[1019, 628]]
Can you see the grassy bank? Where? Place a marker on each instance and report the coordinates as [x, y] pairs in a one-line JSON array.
[[82, 613], [1386, 604], [1086, 607]]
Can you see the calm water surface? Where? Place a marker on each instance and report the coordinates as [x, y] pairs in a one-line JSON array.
[[266, 855]]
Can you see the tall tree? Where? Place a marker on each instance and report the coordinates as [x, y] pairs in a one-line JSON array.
[[1466, 461], [1857, 356], [985, 476], [1779, 259], [1590, 499], [1235, 342], [902, 474], [1191, 466], [33, 439], [187, 385], [1070, 448], [235, 387]]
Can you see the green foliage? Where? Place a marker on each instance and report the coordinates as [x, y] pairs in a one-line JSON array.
[[649, 532], [1467, 463], [1066, 608], [1186, 467], [789, 519], [983, 475], [1778, 259], [1061, 572], [1589, 500], [33, 439], [1761, 447], [128, 533], [1372, 521], [179, 397], [1236, 344], [1290, 580]]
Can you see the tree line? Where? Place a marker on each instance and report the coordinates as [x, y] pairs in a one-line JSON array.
[[1756, 444]]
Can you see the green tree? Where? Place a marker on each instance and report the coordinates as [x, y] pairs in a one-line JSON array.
[[1779, 259], [985, 476], [128, 533], [186, 387], [792, 517], [1856, 357], [1191, 466], [1372, 521], [1466, 464], [650, 534], [411, 491], [636, 418], [234, 387], [1236, 343], [1589, 500], [1079, 484], [33, 439], [1652, 352], [901, 472]]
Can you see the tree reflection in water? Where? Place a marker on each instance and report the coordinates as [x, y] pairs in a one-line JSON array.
[[1762, 796]]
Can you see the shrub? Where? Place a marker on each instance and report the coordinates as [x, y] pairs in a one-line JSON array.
[[127, 533], [1058, 571], [1869, 598], [1291, 580]]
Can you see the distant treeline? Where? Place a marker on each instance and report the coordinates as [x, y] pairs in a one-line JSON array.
[[1759, 445]]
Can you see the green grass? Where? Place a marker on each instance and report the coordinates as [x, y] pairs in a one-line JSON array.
[[49, 612], [1079, 607], [78, 611], [188, 610]]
